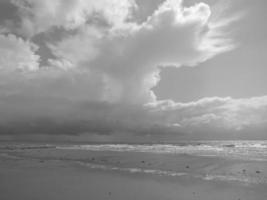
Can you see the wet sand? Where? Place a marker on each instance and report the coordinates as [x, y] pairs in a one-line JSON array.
[[59, 174]]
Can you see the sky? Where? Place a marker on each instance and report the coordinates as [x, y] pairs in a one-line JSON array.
[[133, 70]]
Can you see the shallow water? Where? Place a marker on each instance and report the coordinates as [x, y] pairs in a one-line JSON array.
[[238, 153], [247, 150]]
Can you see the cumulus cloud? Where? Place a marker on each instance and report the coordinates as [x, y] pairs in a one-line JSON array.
[[17, 54], [130, 57], [74, 51], [104, 68], [226, 113], [38, 16]]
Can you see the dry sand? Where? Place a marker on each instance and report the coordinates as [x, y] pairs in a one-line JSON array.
[[48, 174]]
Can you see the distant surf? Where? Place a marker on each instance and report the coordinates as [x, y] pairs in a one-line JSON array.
[[247, 150]]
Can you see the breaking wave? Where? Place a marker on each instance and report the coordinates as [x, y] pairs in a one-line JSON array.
[[157, 172], [248, 150]]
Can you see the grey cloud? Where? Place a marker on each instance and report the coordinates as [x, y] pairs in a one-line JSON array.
[[101, 79]]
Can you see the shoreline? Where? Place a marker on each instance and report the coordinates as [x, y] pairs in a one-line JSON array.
[[46, 173], [32, 179]]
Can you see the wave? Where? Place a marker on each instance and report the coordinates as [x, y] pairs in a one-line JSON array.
[[134, 170], [156, 172], [243, 179], [248, 150]]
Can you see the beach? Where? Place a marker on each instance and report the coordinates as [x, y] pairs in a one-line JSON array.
[[47, 172], [133, 100]]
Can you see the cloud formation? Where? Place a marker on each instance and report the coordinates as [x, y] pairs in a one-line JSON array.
[[39, 16], [130, 57], [104, 66], [17, 54], [227, 113]]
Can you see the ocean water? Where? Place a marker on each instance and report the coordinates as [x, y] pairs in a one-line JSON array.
[[247, 150], [245, 179], [241, 150]]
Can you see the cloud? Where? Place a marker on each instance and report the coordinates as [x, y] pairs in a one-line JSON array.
[[217, 112], [205, 118], [39, 16], [75, 50], [104, 68], [17, 54], [133, 56]]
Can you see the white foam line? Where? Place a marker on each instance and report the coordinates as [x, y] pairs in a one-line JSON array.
[[249, 153], [208, 177], [134, 170], [249, 180]]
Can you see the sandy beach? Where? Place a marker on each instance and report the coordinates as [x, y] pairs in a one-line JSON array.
[[49, 173]]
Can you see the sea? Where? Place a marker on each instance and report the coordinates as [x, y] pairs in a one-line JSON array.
[[242, 150]]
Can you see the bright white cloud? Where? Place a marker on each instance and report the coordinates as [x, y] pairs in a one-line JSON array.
[[215, 112], [130, 57]]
